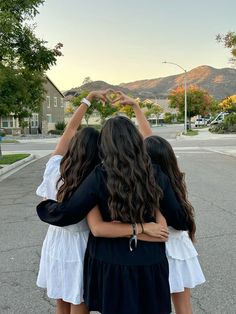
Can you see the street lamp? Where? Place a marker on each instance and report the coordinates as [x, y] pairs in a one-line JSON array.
[[185, 93]]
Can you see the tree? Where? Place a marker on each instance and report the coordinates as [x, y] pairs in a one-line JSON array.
[[228, 104], [153, 110], [104, 110], [198, 100], [229, 41], [128, 110], [87, 80], [21, 92], [169, 117], [23, 59], [19, 47], [76, 101]]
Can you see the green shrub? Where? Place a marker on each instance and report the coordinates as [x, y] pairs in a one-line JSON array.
[[55, 132], [60, 125], [191, 132], [2, 133], [226, 126], [168, 117], [230, 120]]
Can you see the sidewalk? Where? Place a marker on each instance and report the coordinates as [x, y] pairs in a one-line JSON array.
[[204, 134]]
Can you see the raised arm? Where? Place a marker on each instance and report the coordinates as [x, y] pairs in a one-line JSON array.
[[75, 121], [143, 124]]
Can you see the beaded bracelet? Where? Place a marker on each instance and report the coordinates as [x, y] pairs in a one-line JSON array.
[[133, 237]]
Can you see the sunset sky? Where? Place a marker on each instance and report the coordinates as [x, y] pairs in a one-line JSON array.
[[127, 40]]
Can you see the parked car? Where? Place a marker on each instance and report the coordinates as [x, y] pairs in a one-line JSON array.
[[199, 122], [208, 121], [219, 118]]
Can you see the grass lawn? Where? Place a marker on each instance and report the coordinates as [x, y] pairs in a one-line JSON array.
[[9, 141], [10, 159], [191, 132]]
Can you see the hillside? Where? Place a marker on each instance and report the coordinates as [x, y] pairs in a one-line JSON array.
[[96, 85], [220, 83]]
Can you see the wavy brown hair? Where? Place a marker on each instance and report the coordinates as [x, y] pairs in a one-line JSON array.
[[162, 153], [78, 162], [133, 192]]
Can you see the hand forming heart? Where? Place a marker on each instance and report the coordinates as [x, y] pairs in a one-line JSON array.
[[112, 96]]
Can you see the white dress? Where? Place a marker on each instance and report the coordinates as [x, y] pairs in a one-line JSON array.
[[184, 268], [62, 256]]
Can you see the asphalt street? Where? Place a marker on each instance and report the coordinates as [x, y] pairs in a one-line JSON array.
[[211, 179]]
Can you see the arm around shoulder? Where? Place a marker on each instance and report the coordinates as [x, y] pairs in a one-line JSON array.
[[75, 208]]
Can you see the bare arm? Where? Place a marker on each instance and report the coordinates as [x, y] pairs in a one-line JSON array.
[[143, 123], [75, 122], [100, 228], [150, 236]]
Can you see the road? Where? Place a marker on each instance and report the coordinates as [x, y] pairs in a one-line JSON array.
[[211, 183]]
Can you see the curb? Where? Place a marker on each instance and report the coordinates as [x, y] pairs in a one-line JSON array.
[[210, 136], [16, 164]]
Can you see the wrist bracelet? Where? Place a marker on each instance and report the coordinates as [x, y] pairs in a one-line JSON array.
[[133, 237], [86, 102]]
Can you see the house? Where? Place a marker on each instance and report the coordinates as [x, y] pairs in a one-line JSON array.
[[51, 112], [52, 109]]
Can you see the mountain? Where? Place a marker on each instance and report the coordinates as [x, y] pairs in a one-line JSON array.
[[220, 83], [96, 85]]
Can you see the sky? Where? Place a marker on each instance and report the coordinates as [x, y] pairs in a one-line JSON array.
[[127, 40]]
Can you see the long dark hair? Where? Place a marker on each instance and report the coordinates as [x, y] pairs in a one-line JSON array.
[[78, 162], [162, 153], [133, 193]]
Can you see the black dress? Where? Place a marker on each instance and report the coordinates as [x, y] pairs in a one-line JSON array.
[[116, 280]]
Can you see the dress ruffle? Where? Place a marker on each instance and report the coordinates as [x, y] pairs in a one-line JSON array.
[[179, 246], [184, 274], [113, 288], [61, 264], [184, 268]]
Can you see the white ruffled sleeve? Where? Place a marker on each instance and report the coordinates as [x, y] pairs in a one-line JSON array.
[[47, 189]]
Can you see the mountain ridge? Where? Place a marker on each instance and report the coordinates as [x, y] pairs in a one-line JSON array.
[[220, 83]]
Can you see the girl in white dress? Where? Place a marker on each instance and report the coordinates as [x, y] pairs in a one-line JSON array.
[[184, 269], [61, 263]]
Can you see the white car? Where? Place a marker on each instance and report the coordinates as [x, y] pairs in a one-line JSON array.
[[199, 122], [219, 118]]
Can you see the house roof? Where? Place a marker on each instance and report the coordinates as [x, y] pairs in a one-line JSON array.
[[54, 86]]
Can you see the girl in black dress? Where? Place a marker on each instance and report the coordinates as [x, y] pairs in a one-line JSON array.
[[121, 275]]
